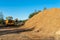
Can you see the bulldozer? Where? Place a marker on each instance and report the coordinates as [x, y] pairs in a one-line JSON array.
[[9, 21]]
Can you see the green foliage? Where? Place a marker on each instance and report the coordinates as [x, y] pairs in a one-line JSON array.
[[9, 17], [34, 13], [44, 8], [16, 20], [1, 18], [1, 21], [23, 20]]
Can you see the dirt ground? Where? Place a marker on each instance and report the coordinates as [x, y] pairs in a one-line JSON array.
[[24, 36]]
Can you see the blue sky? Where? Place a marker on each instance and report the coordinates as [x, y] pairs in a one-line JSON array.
[[22, 8]]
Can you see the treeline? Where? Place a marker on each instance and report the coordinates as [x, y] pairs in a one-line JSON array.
[[11, 18], [36, 12]]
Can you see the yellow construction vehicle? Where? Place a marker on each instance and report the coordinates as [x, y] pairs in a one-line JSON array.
[[9, 21]]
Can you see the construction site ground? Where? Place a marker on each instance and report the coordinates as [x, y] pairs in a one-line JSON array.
[[8, 30]]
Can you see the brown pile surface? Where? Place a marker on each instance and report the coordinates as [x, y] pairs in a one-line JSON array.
[[46, 22]]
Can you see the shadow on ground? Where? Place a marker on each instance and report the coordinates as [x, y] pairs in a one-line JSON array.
[[14, 31], [3, 27]]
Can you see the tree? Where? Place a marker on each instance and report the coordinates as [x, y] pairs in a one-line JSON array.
[[44, 8], [1, 17], [9, 17], [34, 13], [16, 19]]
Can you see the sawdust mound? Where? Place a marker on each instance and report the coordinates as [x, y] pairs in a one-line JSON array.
[[46, 22], [46, 26]]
